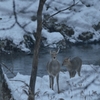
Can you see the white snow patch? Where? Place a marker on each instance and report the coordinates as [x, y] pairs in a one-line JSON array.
[[77, 88], [81, 18], [52, 37]]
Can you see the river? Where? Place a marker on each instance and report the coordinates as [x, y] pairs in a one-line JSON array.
[[22, 63]]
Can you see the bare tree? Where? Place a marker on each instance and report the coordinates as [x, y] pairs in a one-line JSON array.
[[36, 48], [36, 51]]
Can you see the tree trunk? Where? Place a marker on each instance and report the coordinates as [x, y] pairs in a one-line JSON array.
[[36, 52]]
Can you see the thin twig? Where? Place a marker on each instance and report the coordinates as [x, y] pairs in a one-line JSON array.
[[7, 68], [85, 87], [16, 19], [8, 27], [27, 86], [21, 81], [62, 10], [94, 69]]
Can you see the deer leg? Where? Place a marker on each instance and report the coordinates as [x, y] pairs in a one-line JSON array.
[[57, 79], [73, 73], [52, 82], [70, 74], [79, 71]]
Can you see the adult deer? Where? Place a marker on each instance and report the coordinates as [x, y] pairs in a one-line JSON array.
[[53, 69], [73, 65]]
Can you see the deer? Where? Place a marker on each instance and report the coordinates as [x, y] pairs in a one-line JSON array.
[[73, 65], [53, 69]]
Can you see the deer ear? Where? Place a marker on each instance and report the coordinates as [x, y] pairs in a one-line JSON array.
[[58, 50], [68, 59], [56, 53]]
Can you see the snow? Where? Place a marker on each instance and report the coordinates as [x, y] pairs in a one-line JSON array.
[[52, 37], [81, 18], [76, 88]]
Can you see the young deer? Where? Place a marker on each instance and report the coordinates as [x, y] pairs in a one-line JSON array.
[[73, 65], [53, 69]]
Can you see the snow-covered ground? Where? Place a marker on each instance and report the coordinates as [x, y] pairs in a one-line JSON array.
[[80, 18], [86, 87]]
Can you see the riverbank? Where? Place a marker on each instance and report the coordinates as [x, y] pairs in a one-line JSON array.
[[22, 62], [85, 87], [79, 23]]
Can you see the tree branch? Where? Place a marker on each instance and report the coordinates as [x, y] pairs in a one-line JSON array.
[[85, 87], [21, 81], [8, 68], [8, 27], [62, 10], [16, 19]]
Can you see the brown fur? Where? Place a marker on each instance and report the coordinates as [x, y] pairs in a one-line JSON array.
[[73, 65]]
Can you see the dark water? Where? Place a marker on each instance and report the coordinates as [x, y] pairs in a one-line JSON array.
[[22, 63]]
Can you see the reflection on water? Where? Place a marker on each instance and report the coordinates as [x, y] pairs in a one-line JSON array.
[[20, 62]]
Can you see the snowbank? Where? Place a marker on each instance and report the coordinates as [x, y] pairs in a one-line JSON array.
[[85, 87], [83, 19]]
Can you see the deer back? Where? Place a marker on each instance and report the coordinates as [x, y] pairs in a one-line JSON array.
[[76, 63], [72, 64]]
